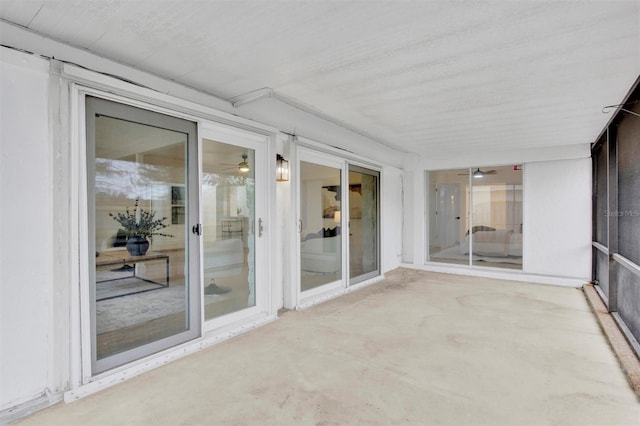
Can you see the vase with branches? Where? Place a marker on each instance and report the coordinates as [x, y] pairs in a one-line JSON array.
[[139, 225]]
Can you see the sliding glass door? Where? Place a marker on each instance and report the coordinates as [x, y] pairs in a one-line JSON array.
[[320, 223], [229, 216], [476, 217], [175, 227], [363, 220], [338, 224], [144, 277]]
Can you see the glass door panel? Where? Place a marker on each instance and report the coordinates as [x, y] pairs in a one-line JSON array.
[[497, 218], [320, 225], [476, 216], [448, 218], [228, 199], [364, 254], [140, 206]]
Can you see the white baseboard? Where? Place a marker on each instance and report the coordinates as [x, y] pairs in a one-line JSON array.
[[506, 274], [29, 406]]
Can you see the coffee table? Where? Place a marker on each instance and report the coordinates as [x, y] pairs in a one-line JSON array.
[[122, 257]]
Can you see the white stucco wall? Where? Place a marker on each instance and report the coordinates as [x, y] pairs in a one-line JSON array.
[[26, 220], [557, 218], [391, 215]]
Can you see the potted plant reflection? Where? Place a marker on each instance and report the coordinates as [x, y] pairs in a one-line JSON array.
[[139, 225]]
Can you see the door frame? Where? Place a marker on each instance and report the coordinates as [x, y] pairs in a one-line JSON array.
[[144, 117], [260, 145], [83, 380], [304, 148], [334, 287]]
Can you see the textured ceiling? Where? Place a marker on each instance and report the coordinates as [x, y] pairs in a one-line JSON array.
[[427, 77]]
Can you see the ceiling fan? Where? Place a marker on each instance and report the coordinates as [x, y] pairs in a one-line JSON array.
[[242, 167], [479, 173]]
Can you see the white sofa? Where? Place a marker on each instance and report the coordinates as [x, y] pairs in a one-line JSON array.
[[321, 254]]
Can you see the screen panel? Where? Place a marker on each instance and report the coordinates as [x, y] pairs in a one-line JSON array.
[[628, 212], [601, 194]]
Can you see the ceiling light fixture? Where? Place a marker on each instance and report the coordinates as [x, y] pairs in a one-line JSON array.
[[478, 174], [243, 166]]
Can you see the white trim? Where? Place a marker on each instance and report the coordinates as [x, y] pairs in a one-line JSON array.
[[136, 368], [264, 170], [365, 283], [525, 250], [137, 93], [79, 262], [280, 213], [320, 291], [292, 243], [76, 332], [328, 289], [326, 296], [500, 274], [28, 405], [344, 233], [342, 154]]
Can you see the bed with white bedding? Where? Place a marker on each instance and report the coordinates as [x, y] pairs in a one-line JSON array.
[[500, 245]]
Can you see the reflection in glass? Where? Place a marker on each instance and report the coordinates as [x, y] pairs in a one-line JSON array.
[[497, 221], [448, 219], [363, 223], [487, 234], [228, 191], [139, 298], [320, 236]]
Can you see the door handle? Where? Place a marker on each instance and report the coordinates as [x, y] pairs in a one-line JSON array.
[[299, 226], [197, 229]]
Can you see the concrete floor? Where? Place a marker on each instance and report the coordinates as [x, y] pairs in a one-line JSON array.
[[417, 348]]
